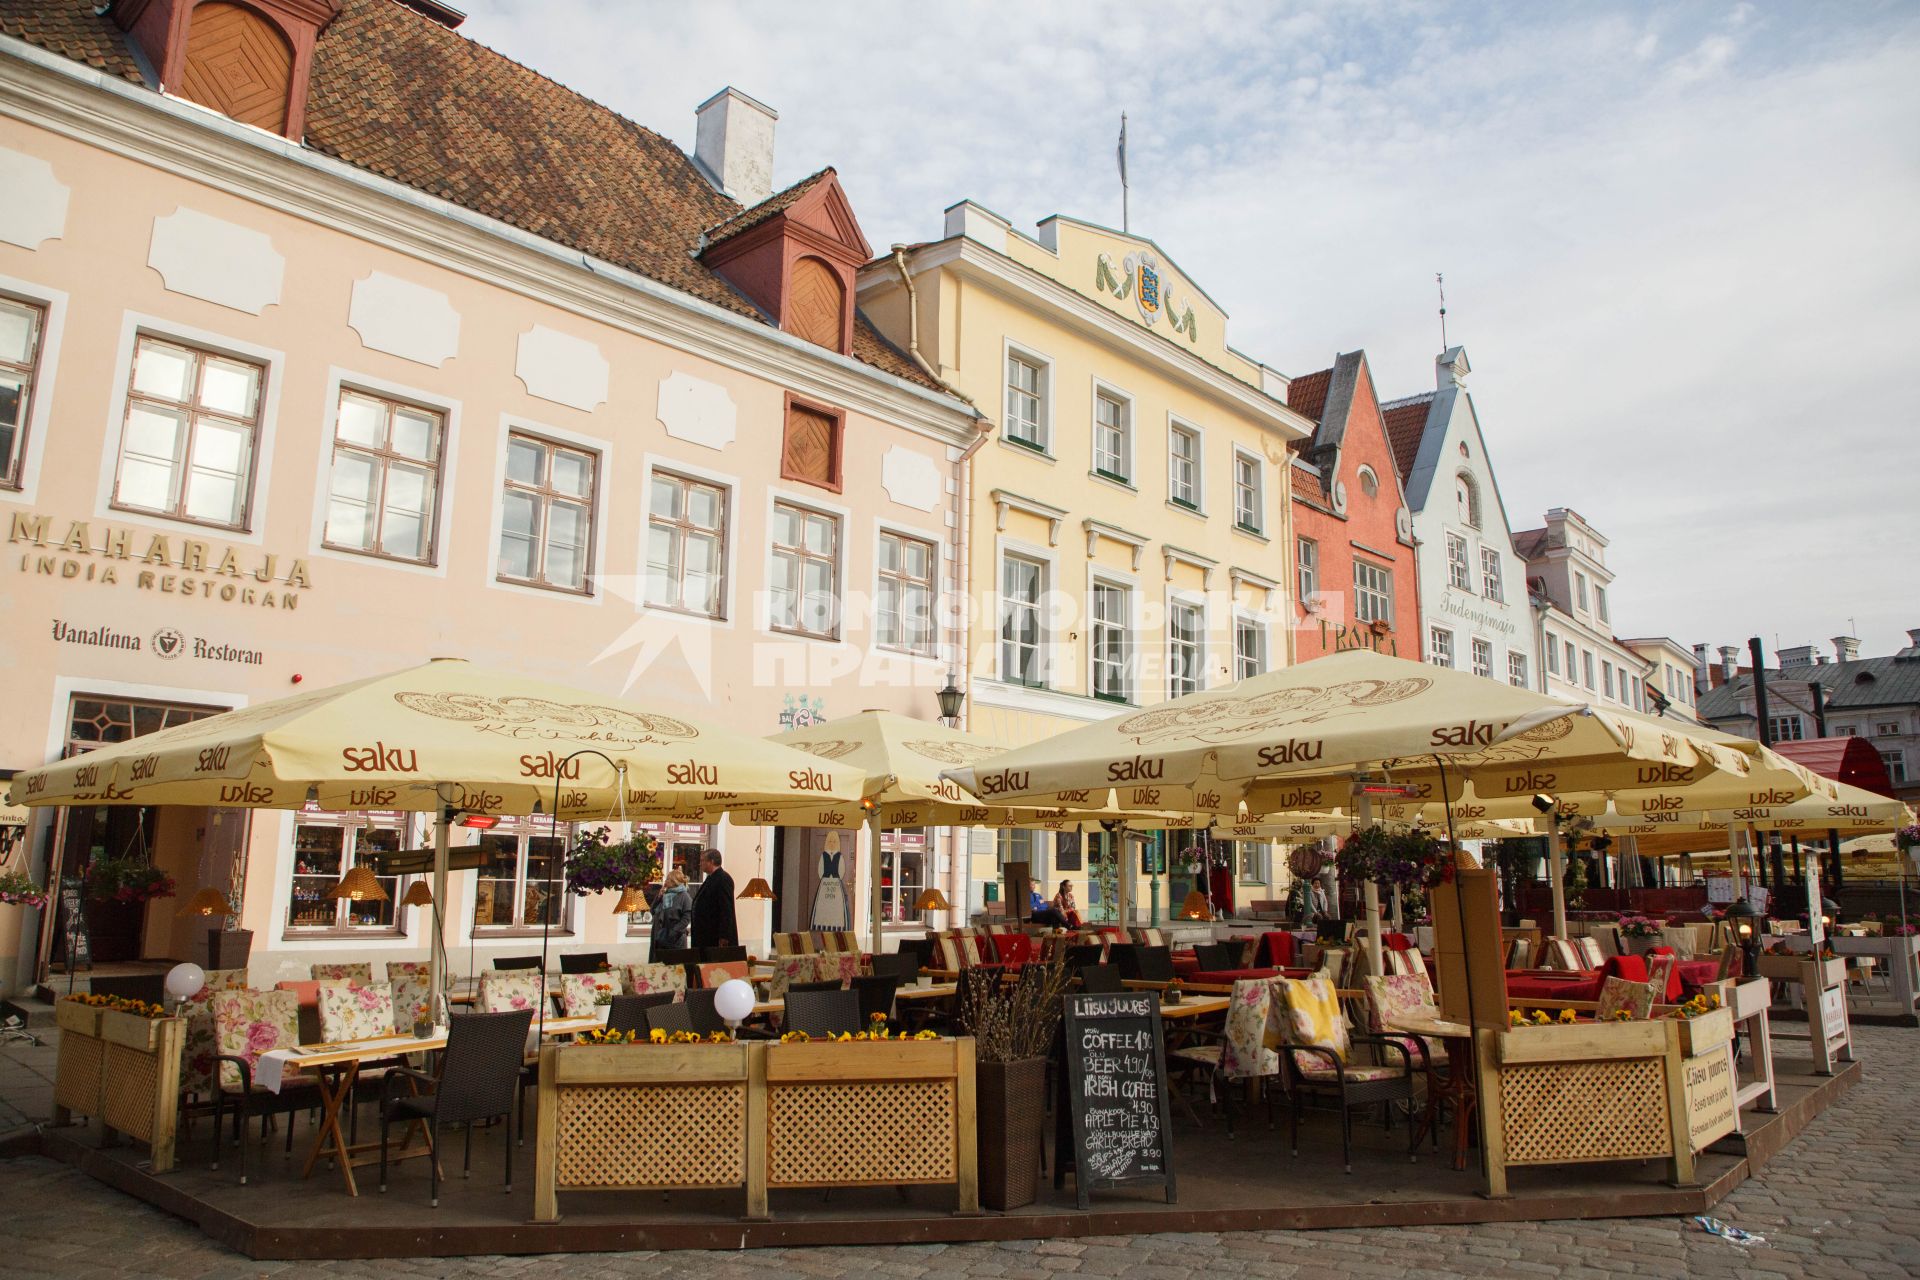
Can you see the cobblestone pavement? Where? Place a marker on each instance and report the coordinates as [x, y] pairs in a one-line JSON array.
[[1839, 1202]]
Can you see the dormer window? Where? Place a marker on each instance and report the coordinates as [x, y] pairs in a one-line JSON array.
[[249, 61], [794, 255]]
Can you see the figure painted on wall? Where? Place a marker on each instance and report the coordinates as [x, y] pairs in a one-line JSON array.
[[831, 909]]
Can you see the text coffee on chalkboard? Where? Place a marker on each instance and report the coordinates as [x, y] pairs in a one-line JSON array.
[[1115, 1087]]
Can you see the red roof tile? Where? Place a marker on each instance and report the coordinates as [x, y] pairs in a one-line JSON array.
[[1406, 423], [1528, 543], [752, 217], [72, 30], [1307, 394]]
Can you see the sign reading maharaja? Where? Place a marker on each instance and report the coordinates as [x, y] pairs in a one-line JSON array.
[[110, 555], [1138, 277]]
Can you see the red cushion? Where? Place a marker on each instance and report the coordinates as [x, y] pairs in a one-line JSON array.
[[1522, 985], [1012, 948], [1276, 948], [306, 994], [1659, 951], [1632, 968], [1397, 941]]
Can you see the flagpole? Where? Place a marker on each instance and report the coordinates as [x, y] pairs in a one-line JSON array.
[[1125, 222]]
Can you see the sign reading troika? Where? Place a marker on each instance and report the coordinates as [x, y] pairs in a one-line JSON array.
[[119, 555], [1113, 1126]]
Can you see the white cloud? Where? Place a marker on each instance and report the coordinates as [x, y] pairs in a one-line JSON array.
[[1677, 242]]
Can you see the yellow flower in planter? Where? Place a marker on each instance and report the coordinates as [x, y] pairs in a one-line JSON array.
[[926, 1035], [1540, 1018], [1569, 1016], [658, 1035], [795, 1037]]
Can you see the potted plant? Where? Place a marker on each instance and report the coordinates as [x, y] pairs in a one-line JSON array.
[[1013, 1030], [1637, 933], [597, 862], [117, 891]]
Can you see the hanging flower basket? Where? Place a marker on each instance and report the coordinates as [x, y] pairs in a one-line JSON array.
[[127, 880], [597, 862], [1396, 859], [19, 890]]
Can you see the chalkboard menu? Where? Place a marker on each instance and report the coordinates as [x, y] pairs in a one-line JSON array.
[[76, 944], [1113, 1115]]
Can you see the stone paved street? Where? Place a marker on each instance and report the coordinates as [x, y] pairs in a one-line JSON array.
[[1840, 1202]]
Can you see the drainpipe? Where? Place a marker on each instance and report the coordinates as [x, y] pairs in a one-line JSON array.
[[960, 844]]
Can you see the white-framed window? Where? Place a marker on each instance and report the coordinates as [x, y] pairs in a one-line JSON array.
[[546, 520], [1458, 574], [22, 325], [1586, 667], [1490, 583], [1022, 638], [1249, 646], [1580, 591], [1029, 847], [325, 847], [1440, 646], [1673, 684], [1184, 466], [904, 611], [1112, 648], [1896, 761], [189, 433], [1307, 557], [1517, 669], [511, 891], [679, 845], [686, 544], [1600, 603], [383, 497], [1249, 493], [1369, 482], [1028, 400], [1571, 668], [1372, 591], [806, 572], [1846, 730], [1483, 658], [1113, 436], [1553, 655], [1186, 648], [1886, 728], [1606, 678], [1787, 728], [1255, 861], [1466, 499]]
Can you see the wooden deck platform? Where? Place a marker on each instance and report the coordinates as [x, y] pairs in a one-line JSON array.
[[1251, 1183]]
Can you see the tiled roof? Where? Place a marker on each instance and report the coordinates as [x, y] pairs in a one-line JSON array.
[[402, 96], [71, 30], [759, 213], [1307, 394], [1528, 543], [1406, 422], [1859, 684]]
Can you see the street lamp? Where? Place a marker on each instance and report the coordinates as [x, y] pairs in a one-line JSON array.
[[951, 699]]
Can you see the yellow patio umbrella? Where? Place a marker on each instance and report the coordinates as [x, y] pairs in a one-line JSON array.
[[1882, 844], [445, 737]]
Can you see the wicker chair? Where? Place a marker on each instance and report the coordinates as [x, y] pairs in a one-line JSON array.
[[584, 962], [921, 949], [902, 966], [629, 1013], [700, 1010], [1236, 1053], [1217, 957], [876, 996], [1100, 979], [479, 1080], [722, 955], [669, 1018], [823, 1013], [1315, 1046], [516, 962]]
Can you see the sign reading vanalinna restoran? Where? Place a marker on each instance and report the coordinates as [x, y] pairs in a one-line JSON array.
[[162, 562]]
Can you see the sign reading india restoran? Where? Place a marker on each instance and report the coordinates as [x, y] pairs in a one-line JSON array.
[[109, 555]]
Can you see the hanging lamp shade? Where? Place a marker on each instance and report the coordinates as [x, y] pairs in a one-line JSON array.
[[931, 899], [207, 902], [631, 900], [359, 885], [1195, 907], [757, 889], [419, 894]]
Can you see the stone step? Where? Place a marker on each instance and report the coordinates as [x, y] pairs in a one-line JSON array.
[[38, 1013]]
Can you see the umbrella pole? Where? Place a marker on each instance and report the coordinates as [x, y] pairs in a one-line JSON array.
[[437, 953], [873, 877], [1370, 891], [1557, 877], [1122, 880]]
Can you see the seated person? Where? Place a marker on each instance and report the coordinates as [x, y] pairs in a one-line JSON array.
[[1063, 903], [1044, 912]]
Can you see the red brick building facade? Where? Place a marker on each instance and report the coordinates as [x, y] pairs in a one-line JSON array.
[[1358, 586]]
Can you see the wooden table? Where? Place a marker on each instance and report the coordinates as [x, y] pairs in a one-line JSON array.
[[335, 1067], [938, 991], [1457, 1087]]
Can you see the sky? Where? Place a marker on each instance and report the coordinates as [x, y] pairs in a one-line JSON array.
[[1680, 240]]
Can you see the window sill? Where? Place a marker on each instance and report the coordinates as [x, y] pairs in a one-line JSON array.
[[339, 935], [692, 614], [925, 655], [1248, 531], [820, 637], [1118, 482], [176, 517], [1028, 447], [1186, 508], [513, 934], [580, 593], [405, 561], [1118, 700]]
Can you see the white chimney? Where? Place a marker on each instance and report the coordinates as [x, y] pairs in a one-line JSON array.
[[1847, 648], [1451, 368], [734, 144], [1702, 669], [1799, 655], [1729, 662]]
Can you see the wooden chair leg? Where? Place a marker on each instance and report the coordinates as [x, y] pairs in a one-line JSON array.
[[1346, 1132], [466, 1164], [433, 1164], [515, 1136], [384, 1121]]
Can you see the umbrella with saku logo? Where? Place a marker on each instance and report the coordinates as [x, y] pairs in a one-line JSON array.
[[447, 737]]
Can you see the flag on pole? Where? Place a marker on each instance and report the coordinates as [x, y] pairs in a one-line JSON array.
[[1123, 148]]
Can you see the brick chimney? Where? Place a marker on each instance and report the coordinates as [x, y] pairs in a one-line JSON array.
[[733, 142], [1847, 648], [250, 62]]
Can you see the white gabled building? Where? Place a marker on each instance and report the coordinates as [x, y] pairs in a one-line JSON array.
[[1567, 576], [1473, 587]]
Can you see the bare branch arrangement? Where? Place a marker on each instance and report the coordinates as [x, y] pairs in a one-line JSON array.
[[1010, 1023]]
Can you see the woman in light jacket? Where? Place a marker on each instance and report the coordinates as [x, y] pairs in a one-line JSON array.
[[672, 915]]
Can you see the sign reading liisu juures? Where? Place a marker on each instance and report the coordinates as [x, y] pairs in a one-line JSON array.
[[111, 555]]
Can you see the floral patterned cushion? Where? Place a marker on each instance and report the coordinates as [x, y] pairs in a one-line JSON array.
[[839, 967], [504, 990], [360, 975], [200, 1044], [356, 1013], [715, 972], [1357, 1073], [1396, 996], [1311, 1017], [788, 970], [1245, 1052], [249, 1023], [645, 979], [580, 992], [412, 983], [1660, 971], [1617, 994]]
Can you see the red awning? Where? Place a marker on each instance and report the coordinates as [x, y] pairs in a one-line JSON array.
[[1849, 760]]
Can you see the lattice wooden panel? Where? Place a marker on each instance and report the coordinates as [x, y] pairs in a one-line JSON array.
[[631, 1135], [1580, 1111], [76, 1084], [130, 1077], [845, 1134]]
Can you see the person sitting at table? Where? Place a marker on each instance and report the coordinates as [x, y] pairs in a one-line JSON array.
[[672, 913], [1044, 912], [714, 922], [1064, 903]]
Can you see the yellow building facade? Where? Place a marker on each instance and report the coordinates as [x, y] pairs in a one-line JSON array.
[[1129, 533]]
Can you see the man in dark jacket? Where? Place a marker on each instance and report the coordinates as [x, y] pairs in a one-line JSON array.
[[714, 924]]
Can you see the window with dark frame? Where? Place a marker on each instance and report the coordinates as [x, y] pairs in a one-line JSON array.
[[686, 545], [383, 497], [805, 584], [21, 326], [547, 513], [190, 431], [511, 891], [325, 847], [904, 616]]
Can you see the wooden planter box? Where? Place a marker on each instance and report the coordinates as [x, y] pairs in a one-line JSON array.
[[1705, 1033], [1794, 968], [124, 1069], [755, 1115]]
